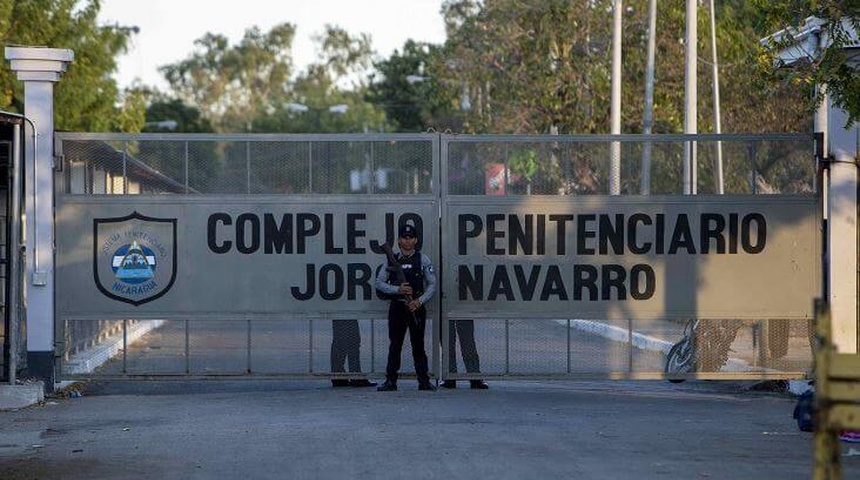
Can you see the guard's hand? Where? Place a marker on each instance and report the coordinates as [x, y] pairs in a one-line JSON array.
[[414, 305], [404, 289]]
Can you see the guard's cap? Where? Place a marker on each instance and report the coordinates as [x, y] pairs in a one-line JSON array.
[[407, 231]]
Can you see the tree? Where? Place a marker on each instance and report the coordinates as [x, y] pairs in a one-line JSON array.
[[233, 84], [328, 97], [187, 118], [530, 66], [413, 98], [248, 87], [544, 66], [337, 79], [86, 97], [831, 67]]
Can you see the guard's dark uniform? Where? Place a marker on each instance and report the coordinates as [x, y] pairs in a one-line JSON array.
[[419, 273]]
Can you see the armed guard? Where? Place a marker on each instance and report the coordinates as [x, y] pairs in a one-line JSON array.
[[409, 280]]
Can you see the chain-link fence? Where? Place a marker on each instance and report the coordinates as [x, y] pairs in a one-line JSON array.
[[650, 164], [248, 164]]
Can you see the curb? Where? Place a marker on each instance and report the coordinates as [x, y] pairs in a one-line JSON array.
[[14, 397]]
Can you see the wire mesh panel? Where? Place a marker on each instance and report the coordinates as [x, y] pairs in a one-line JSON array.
[[536, 346], [279, 347], [342, 348], [248, 164], [218, 347], [652, 164], [407, 366]]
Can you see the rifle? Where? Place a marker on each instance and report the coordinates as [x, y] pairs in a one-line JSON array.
[[398, 272]]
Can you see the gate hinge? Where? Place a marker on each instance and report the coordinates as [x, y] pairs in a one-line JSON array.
[[58, 162], [820, 159]]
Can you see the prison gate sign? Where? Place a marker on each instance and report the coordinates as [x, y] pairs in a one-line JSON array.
[[147, 257], [753, 257], [631, 257]]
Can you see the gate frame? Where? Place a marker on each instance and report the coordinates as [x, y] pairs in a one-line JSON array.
[[440, 155]]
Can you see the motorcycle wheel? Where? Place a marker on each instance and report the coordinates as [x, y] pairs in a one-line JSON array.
[[680, 359]]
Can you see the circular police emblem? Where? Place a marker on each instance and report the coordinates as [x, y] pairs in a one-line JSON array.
[[133, 263]]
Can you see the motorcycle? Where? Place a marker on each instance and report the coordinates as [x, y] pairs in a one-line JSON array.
[[704, 347]]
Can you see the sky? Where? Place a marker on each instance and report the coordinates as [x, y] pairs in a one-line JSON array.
[[168, 28]]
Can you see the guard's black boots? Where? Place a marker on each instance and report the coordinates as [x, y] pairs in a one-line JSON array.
[[479, 384], [449, 384], [426, 386], [339, 382], [361, 382], [388, 386]]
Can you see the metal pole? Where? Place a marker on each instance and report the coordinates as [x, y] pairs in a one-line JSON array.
[[629, 346], [14, 254], [820, 127], [310, 345], [615, 147], [311, 167], [187, 349], [125, 346], [124, 169], [444, 340], [717, 128], [186, 167], [248, 346], [568, 346], [248, 167], [690, 96], [648, 116], [372, 345], [507, 346], [15, 277]]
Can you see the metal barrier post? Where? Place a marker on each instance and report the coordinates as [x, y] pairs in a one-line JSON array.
[[15, 253]]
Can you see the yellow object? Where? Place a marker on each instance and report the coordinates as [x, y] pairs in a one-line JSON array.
[[837, 396]]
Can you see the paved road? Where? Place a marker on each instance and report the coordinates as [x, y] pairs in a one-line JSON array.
[[303, 429]]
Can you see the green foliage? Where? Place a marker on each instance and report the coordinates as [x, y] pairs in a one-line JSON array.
[[414, 99], [250, 86], [231, 85], [541, 66], [524, 163], [529, 66], [188, 119], [343, 55], [86, 96], [829, 67], [532, 66]]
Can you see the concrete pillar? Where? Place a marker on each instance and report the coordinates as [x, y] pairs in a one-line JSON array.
[[806, 43], [39, 69], [842, 206]]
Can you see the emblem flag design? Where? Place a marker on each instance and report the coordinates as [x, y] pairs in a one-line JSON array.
[[134, 257]]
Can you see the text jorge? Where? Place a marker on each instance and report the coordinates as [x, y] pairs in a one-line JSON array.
[[250, 233]]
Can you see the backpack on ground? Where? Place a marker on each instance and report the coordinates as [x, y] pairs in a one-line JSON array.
[[804, 411]]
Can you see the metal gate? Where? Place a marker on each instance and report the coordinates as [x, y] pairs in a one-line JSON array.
[[260, 250], [11, 302], [5, 334]]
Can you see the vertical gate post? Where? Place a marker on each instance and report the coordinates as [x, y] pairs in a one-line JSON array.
[[841, 187], [842, 237], [39, 69]]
